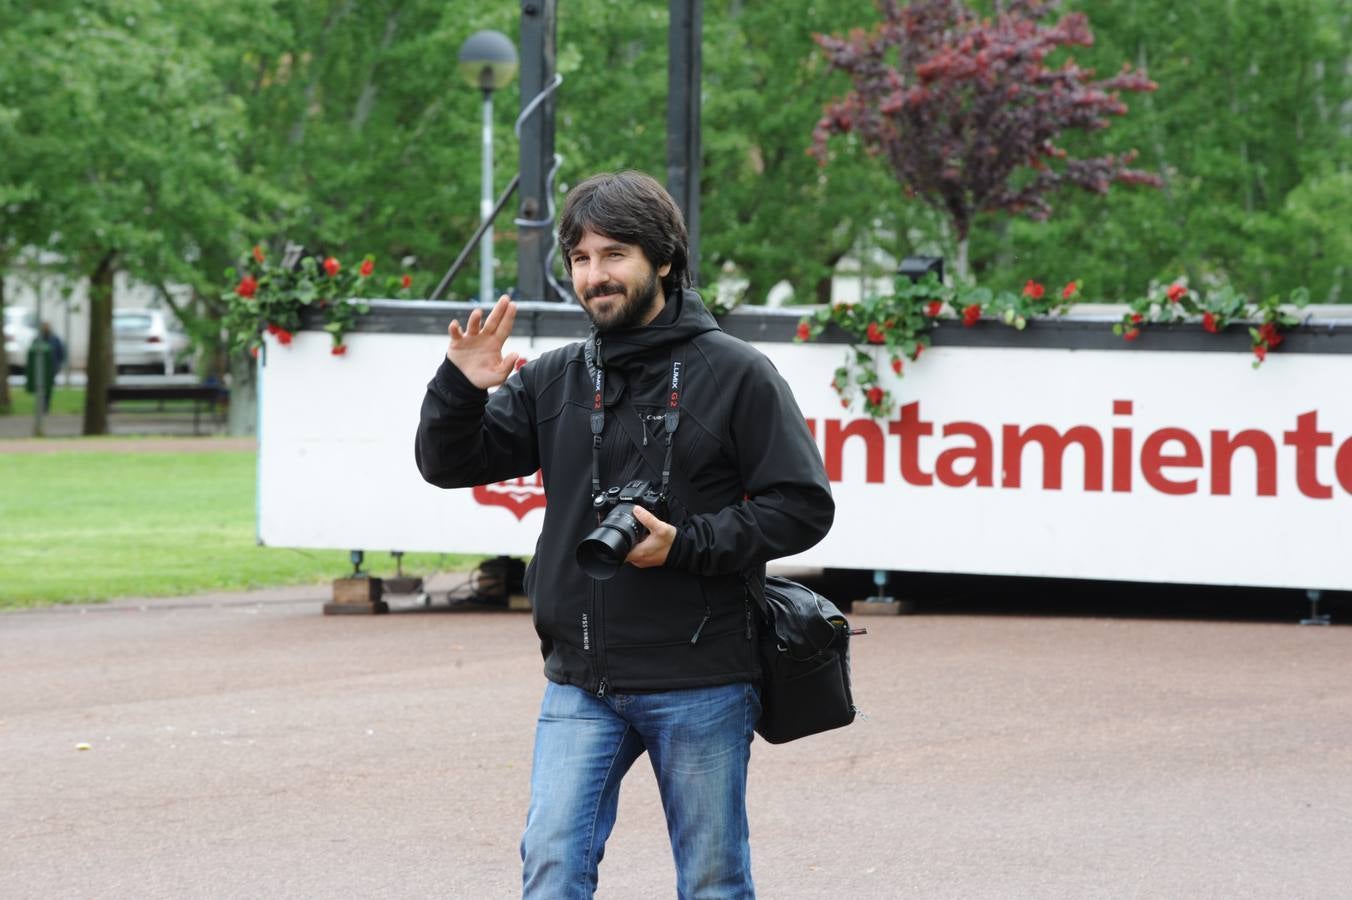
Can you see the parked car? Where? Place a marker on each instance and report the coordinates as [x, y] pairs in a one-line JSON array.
[[149, 338], [21, 326]]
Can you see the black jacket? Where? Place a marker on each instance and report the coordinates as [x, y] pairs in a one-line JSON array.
[[747, 486]]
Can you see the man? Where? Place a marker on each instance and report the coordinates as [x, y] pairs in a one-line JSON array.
[[46, 356], [661, 657]]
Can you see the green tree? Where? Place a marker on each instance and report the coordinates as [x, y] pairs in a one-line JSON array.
[[359, 110], [770, 212], [1249, 134], [17, 190], [130, 141], [767, 213]]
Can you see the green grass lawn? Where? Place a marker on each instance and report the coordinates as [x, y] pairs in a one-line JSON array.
[[64, 401], [70, 401], [88, 526]]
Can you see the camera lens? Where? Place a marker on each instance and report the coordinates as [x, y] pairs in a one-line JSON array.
[[603, 551]]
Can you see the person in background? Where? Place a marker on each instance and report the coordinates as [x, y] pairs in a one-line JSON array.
[[47, 353]]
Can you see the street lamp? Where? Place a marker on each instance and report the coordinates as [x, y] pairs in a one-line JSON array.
[[487, 62]]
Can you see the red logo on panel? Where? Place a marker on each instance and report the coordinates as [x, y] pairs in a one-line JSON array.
[[519, 496]]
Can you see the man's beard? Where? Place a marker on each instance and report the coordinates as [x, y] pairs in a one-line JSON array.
[[630, 312]]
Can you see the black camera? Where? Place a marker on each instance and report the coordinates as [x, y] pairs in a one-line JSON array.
[[603, 551]]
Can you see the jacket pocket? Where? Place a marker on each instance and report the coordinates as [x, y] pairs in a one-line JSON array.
[[647, 607]]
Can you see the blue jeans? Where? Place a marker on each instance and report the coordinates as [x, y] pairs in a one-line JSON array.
[[699, 742]]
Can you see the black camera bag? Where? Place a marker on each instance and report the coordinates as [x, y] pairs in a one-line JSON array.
[[805, 662]]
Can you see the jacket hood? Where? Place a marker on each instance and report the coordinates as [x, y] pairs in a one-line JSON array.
[[630, 352]]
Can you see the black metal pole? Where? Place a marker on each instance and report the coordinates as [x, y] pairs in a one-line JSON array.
[[534, 237], [684, 58]]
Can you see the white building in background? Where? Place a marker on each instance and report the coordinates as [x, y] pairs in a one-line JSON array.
[[64, 302], [868, 274], [871, 272], [868, 270]]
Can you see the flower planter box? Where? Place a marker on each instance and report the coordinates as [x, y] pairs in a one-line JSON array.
[[1059, 451]]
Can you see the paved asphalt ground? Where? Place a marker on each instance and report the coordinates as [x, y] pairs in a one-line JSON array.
[[1023, 740], [247, 746]]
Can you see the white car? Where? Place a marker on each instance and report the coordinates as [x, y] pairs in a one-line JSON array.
[[149, 338], [21, 326]]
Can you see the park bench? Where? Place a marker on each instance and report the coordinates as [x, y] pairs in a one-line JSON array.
[[213, 398]]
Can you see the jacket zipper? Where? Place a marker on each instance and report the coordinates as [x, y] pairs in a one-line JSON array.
[[596, 597], [708, 614], [598, 601]]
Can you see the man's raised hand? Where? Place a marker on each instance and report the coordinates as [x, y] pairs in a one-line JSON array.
[[476, 350]]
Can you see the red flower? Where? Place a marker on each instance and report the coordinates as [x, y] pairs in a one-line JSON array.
[[253, 351], [1136, 318], [919, 348], [845, 404], [1131, 334], [273, 329], [331, 266], [367, 267], [896, 364], [283, 336], [339, 350], [971, 314], [406, 281], [1260, 351], [258, 254], [804, 330], [1270, 335], [875, 334], [1209, 323], [875, 395], [1033, 290], [1069, 290], [1176, 292], [933, 307], [248, 285]]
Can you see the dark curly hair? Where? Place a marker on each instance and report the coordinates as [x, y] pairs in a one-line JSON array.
[[631, 207]]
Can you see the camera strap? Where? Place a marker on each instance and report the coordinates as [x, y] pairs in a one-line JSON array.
[[671, 419]]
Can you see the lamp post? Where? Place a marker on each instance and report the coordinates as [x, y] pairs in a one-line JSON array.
[[487, 62]]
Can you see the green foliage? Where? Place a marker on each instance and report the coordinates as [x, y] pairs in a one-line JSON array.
[[125, 130], [896, 325], [88, 526], [171, 136], [1248, 131], [1217, 308], [361, 109], [769, 212]]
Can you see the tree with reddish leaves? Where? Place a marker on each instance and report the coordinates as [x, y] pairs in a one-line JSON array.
[[967, 112]]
